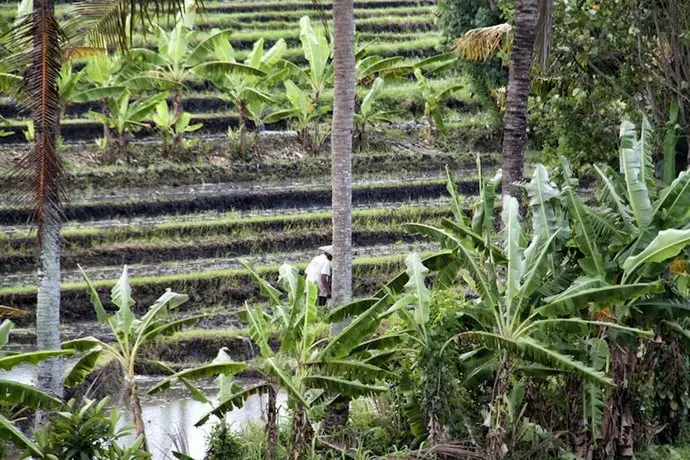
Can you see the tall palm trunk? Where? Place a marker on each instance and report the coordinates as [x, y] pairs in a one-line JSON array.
[[48, 309], [40, 174], [341, 148], [515, 118], [341, 175]]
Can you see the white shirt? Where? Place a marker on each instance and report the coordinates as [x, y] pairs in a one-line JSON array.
[[319, 265]]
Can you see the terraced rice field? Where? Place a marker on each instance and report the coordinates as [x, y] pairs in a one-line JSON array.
[[188, 226], [390, 27]]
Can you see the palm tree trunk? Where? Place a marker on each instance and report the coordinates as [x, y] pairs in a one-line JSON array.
[[48, 309], [341, 149], [44, 182], [515, 118], [137, 413]]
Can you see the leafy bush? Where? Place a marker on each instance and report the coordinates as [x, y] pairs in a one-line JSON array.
[[87, 431], [224, 444]]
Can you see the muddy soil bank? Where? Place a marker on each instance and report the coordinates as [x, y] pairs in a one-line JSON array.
[[229, 290], [245, 200], [191, 250]]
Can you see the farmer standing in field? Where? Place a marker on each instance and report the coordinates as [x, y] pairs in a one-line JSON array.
[[319, 272]]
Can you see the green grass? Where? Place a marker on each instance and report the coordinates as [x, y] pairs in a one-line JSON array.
[[377, 263]]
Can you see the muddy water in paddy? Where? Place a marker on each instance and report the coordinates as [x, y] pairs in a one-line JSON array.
[[172, 413]]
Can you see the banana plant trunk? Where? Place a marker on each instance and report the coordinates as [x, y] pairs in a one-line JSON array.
[[515, 118], [50, 375], [271, 424], [177, 111], [137, 413], [302, 433], [496, 448], [242, 121]]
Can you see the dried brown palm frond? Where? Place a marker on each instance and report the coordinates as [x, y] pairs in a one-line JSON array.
[[481, 43], [38, 175], [542, 44]]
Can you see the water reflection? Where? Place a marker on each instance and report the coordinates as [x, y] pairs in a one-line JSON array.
[[171, 413]]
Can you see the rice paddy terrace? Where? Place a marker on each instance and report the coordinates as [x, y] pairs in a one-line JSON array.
[[187, 226]]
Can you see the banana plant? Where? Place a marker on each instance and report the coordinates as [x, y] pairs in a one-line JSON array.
[[311, 370], [432, 101], [368, 115], [172, 127], [305, 93], [131, 335], [249, 92], [127, 117], [510, 326], [175, 62], [22, 395]]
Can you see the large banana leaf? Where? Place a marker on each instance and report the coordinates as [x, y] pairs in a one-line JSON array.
[[337, 385], [467, 258], [667, 244], [356, 307], [82, 344], [271, 367], [351, 369], [593, 263], [673, 206], [315, 47], [274, 53], [531, 350], [206, 47], [646, 146], [367, 107], [171, 327], [265, 287], [610, 194], [25, 395], [140, 110], [587, 290], [416, 286], [297, 98], [83, 367], [512, 249], [537, 267], [385, 342], [542, 193], [280, 115], [352, 335], [9, 431], [476, 239], [98, 94], [33, 357], [258, 330], [94, 298], [5, 329], [579, 321], [634, 169], [207, 370], [235, 400], [217, 70]]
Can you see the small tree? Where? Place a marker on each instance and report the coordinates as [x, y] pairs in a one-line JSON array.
[[126, 117], [172, 127], [369, 115], [312, 370], [131, 335]]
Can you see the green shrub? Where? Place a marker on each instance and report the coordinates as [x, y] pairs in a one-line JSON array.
[[86, 430], [224, 444]]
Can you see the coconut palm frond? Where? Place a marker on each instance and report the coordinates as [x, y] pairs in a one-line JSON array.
[[38, 175], [481, 43], [112, 22]]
